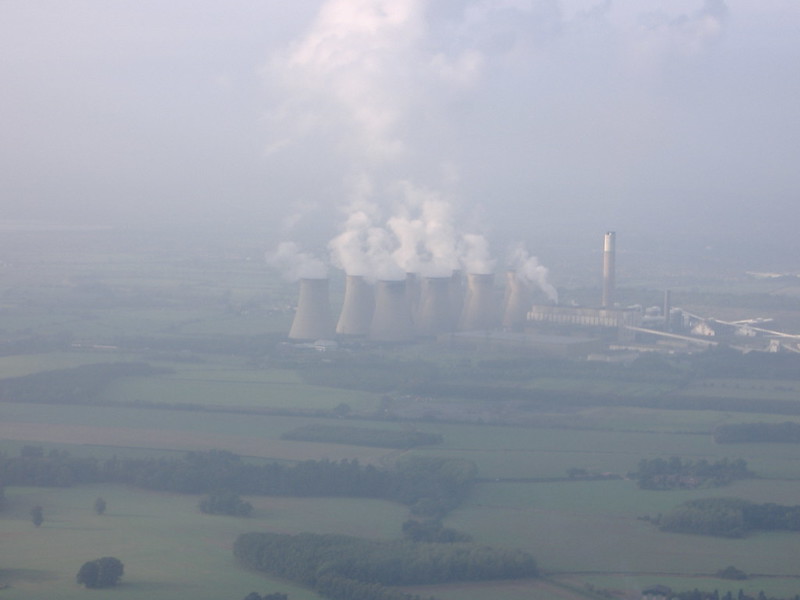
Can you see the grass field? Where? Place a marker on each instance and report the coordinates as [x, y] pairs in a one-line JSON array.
[[104, 286], [170, 550]]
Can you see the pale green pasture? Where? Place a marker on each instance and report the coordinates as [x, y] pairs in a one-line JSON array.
[[767, 389], [170, 550], [213, 392], [592, 526], [533, 452], [636, 389], [25, 364], [177, 431]]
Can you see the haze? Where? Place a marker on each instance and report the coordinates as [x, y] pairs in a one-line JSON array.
[[533, 121]]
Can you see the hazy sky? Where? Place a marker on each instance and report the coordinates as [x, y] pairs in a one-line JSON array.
[[526, 117]]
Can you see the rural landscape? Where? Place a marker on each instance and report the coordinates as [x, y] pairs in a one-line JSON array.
[[152, 411]]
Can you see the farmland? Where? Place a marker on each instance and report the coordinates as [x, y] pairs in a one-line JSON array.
[[89, 301]]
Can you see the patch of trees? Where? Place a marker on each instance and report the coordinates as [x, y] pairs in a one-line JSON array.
[[225, 503], [721, 361], [363, 436], [431, 486], [732, 572], [729, 517], [100, 573], [678, 473], [347, 568], [432, 531], [786, 432], [76, 385], [697, 594]]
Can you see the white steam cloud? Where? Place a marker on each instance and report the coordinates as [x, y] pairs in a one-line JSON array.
[[295, 264], [530, 272]]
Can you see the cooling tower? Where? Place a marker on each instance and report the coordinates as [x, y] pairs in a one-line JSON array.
[[391, 321], [457, 292], [609, 259], [435, 313], [412, 292], [357, 308], [517, 303], [479, 305], [312, 321]]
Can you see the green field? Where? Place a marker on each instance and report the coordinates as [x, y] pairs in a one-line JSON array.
[[170, 550], [105, 291]]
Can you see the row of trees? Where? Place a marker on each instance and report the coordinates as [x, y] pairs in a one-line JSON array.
[[363, 436], [661, 474], [729, 517], [697, 594], [347, 568], [430, 486], [786, 432]]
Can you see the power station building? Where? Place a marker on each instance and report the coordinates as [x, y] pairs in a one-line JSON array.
[[465, 311]]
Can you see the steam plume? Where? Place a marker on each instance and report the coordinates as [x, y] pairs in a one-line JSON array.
[[295, 264], [531, 272]]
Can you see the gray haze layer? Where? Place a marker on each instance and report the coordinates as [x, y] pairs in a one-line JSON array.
[[529, 120]]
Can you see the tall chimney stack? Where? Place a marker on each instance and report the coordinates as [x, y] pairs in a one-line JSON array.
[[479, 306], [312, 321], [435, 314], [517, 303], [391, 321], [609, 260], [357, 308]]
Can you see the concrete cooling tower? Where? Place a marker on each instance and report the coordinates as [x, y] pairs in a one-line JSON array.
[[312, 321], [479, 305], [435, 313], [518, 300], [359, 303], [391, 321]]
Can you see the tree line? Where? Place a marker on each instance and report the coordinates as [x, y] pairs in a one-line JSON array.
[[661, 474], [729, 517], [430, 486], [786, 432], [348, 568], [363, 436]]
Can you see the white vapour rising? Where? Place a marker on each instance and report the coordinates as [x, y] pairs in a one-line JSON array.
[[363, 247], [295, 264], [425, 232], [351, 70], [529, 271], [475, 256]]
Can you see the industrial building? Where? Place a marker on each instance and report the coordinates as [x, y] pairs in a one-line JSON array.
[[468, 311]]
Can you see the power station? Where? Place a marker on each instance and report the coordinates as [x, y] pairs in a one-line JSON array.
[[467, 310], [456, 308]]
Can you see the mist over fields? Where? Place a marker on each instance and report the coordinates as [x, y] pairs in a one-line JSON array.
[[578, 219]]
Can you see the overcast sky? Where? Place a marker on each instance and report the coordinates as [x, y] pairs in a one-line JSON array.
[[526, 117]]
